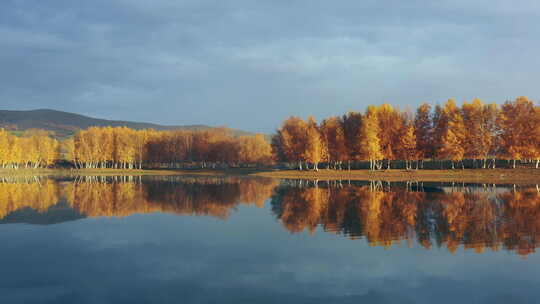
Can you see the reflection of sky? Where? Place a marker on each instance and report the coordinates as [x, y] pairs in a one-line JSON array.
[[160, 258]]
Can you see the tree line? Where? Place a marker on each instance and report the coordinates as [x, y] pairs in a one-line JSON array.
[[383, 135], [124, 148], [34, 149]]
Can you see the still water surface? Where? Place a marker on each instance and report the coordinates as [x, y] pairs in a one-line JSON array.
[[255, 240]]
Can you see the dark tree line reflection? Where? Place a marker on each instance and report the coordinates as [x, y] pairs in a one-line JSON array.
[[124, 196], [477, 217], [208, 196]]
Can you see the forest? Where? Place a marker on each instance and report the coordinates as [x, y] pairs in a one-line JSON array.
[[383, 134], [35, 149], [124, 148], [383, 137]]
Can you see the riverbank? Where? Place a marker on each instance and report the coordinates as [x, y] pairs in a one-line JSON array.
[[497, 176], [124, 172]]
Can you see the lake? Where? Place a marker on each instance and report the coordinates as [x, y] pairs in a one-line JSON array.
[[212, 239]]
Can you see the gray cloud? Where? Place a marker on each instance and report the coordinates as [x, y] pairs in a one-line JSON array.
[[248, 64]]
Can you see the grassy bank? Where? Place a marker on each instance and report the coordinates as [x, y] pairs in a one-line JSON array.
[[507, 176]]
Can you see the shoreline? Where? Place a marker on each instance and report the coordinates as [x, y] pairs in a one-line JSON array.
[[491, 176], [482, 176]]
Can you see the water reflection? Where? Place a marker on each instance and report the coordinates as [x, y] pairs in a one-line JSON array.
[[25, 194], [94, 196], [477, 217]]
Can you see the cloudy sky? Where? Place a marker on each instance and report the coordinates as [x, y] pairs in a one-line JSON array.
[[249, 64]]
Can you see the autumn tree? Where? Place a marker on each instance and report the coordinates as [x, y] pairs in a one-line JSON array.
[[408, 144], [453, 134], [254, 149], [369, 139], [492, 131], [333, 135], [535, 138], [390, 125], [315, 149], [125, 148], [440, 124], [479, 121], [352, 124], [34, 149], [292, 139], [4, 148], [517, 126], [423, 131]]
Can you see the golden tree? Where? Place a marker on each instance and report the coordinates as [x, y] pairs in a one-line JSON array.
[[534, 139], [334, 138], [352, 125], [291, 138], [315, 149], [479, 120], [390, 125], [453, 135], [369, 139], [407, 145], [254, 149], [517, 127], [423, 131]]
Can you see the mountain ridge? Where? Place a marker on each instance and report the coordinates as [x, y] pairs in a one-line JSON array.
[[65, 124]]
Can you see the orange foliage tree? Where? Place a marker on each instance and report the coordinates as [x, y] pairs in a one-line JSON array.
[[449, 134], [124, 148], [34, 149]]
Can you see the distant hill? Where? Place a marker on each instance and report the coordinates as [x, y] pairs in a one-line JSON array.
[[65, 124]]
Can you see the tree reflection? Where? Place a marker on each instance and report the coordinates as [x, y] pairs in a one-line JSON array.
[[477, 218], [20, 193], [124, 196]]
